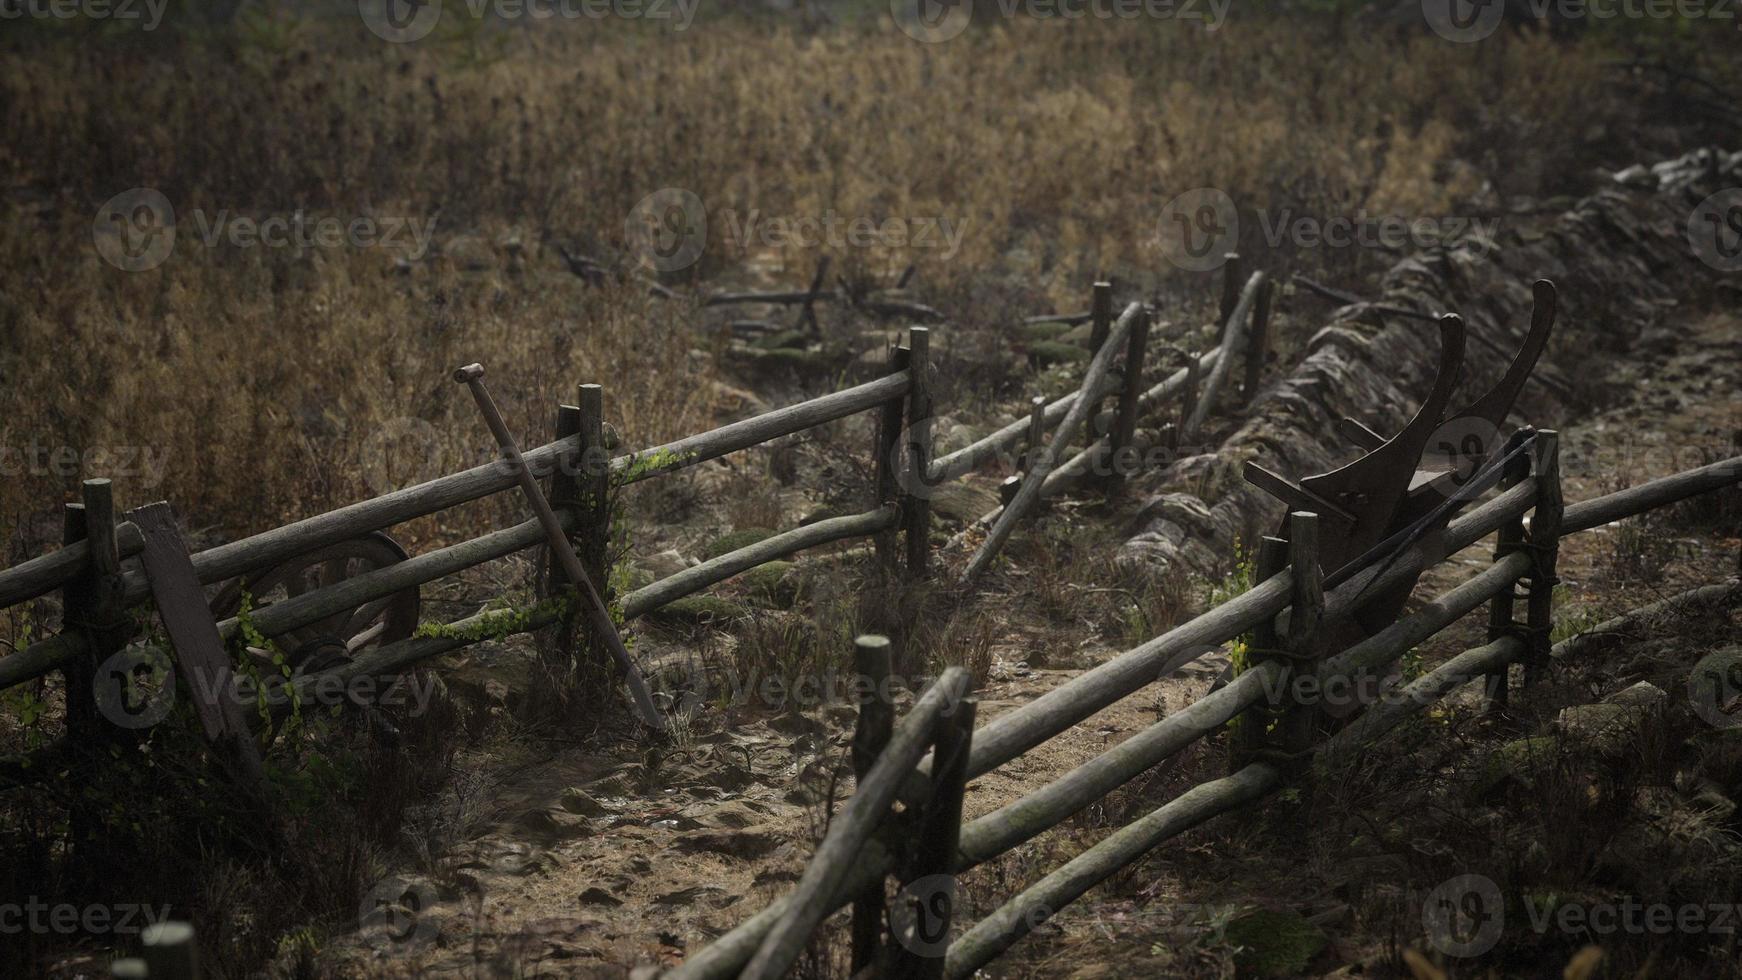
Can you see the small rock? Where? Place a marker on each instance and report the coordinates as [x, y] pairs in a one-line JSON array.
[[576, 800]]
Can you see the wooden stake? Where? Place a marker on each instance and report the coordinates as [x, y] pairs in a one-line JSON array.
[[1545, 536], [931, 882], [1100, 315], [1130, 396], [887, 460], [1252, 735], [1258, 341], [919, 454], [1508, 539], [1232, 279], [871, 662]]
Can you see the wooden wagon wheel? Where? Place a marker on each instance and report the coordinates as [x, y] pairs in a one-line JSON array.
[[339, 636]]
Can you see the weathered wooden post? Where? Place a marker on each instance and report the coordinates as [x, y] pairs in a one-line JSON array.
[[593, 536], [1508, 539], [807, 314], [1306, 611], [1033, 445], [92, 605], [170, 953], [1100, 315], [930, 884], [871, 665], [1545, 537], [1232, 280], [1258, 341], [919, 454], [1130, 395], [888, 457], [1188, 401], [1036, 437], [565, 496], [1252, 731]]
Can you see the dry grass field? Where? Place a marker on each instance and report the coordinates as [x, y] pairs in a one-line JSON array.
[[252, 383]]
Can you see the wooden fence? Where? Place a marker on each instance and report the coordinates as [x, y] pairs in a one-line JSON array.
[[1282, 613], [101, 573]]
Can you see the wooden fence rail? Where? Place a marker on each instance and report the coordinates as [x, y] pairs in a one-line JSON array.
[[1032, 723], [578, 467]]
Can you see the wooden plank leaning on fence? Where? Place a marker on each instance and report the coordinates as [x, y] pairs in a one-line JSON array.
[[852, 828], [202, 664], [1035, 479]]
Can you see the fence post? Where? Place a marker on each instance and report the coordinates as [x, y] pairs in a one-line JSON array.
[[1125, 419], [1307, 610], [1100, 315], [1258, 341], [565, 498], [919, 453], [1545, 537], [1250, 735], [929, 893], [1036, 438], [888, 457], [871, 663], [1232, 280], [92, 604], [1507, 540], [1188, 402], [170, 953], [807, 314]]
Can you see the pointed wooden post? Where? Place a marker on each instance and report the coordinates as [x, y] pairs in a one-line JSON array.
[[919, 454], [1545, 536]]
